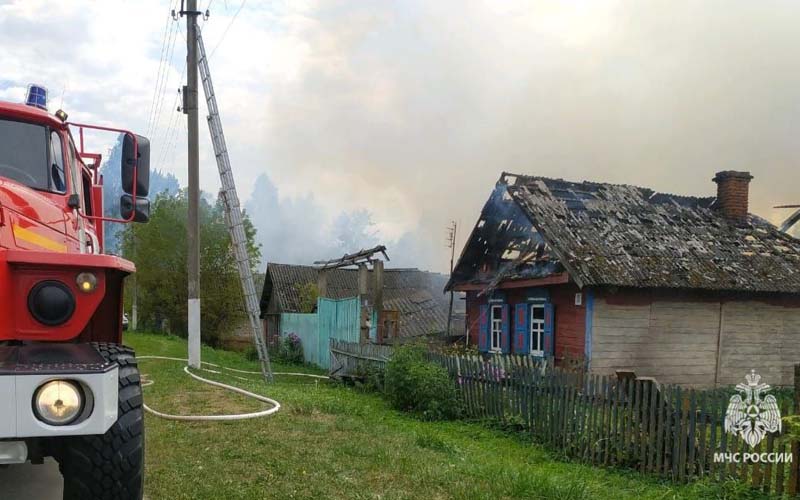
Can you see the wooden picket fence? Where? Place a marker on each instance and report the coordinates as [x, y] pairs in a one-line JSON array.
[[668, 431], [351, 359]]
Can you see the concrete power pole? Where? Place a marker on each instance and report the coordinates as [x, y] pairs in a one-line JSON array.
[[193, 221]]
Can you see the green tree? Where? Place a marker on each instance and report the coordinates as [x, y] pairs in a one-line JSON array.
[[159, 251], [308, 294]]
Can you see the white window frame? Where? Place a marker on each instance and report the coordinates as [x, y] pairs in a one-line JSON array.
[[495, 327], [536, 331]]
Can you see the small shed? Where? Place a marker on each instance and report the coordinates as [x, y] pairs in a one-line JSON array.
[[416, 296]]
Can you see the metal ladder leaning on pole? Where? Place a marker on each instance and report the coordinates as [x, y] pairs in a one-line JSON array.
[[233, 212]]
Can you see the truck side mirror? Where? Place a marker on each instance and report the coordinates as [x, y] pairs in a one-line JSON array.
[[142, 164], [140, 210]]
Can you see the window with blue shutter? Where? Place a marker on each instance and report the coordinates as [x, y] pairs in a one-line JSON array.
[[536, 329], [483, 328], [549, 338], [521, 337], [505, 332]]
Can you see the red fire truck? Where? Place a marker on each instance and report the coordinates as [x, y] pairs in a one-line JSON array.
[[69, 388]]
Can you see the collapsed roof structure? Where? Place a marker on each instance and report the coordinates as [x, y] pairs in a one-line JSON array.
[[417, 295], [601, 234]]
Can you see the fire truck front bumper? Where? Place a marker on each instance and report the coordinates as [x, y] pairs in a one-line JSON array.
[[53, 390]]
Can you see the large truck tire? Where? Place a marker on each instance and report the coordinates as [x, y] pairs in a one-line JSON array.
[[111, 465]]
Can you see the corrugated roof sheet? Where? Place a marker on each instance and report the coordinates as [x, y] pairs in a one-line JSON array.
[[609, 234], [418, 295]]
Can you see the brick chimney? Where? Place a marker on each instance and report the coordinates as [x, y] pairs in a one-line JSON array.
[[732, 192]]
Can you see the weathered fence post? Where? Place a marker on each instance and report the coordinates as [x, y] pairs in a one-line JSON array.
[[794, 471], [669, 431]]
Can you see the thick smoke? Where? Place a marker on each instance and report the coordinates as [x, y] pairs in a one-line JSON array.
[[300, 231], [413, 109], [410, 110]]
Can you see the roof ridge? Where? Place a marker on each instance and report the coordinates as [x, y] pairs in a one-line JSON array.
[[653, 192]]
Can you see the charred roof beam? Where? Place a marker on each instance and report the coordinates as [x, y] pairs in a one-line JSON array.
[[354, 259]]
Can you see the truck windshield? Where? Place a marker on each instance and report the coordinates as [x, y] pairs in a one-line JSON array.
[[23, 153]]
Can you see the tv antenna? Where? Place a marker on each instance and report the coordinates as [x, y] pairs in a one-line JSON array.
[[792, 220]]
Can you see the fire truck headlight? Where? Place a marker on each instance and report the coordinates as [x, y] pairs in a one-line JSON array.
[[86, 282], [58, 402], [51, 302]]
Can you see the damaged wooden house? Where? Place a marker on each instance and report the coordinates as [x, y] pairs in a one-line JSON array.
[[688, 290], [411, 301]]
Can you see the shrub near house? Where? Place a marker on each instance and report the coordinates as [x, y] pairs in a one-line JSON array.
[[418, 386], [291, 349]]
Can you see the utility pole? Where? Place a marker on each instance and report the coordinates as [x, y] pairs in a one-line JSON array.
[[451, 241], [193, 221]]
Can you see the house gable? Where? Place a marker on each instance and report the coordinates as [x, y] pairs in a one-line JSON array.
[[504, 246]]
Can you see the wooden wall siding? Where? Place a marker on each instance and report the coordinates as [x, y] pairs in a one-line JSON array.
[[570, 320], [790, 354], [760, 336], [473, 315], [273, 324], [677, 342]]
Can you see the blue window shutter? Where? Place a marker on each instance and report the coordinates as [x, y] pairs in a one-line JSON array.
[[505, 332], [522, 337], [549, 338], [483, 328]]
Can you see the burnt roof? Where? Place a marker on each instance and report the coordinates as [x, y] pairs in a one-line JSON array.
[[418, 295], [622, 235]]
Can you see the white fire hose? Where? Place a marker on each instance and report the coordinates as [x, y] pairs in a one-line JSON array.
[[275, 406]]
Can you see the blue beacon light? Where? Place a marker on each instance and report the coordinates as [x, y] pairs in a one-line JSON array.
[[37, 97]]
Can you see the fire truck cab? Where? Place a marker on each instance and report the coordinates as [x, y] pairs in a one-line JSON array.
[[69, 389]]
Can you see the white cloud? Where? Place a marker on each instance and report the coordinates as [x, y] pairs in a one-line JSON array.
[[411, 109]]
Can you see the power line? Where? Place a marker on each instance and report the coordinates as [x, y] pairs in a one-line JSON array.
[[171, 133], [160, 65], [165, 79], [167, 137], [173, 118], [204, 18], [163, 48], [224, 33]]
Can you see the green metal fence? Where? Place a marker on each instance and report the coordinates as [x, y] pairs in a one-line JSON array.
[[334, 319], [306, 327]]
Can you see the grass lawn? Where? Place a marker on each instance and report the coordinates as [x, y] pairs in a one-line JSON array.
[[330, 441]]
